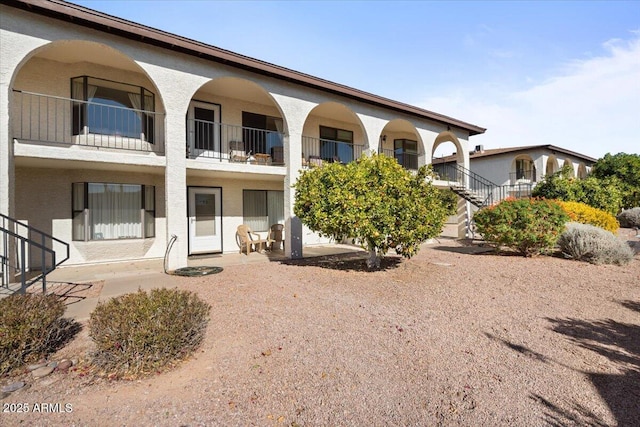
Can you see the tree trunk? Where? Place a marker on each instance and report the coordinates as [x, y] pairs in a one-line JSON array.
[[373, 262]]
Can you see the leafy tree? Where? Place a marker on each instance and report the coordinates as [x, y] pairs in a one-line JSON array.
[[626, 168], [604, 194], [373, 200]]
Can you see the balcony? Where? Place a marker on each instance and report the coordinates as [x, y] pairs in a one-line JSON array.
[[234, 144], [406, 159], [316, 151], [53, 120], [522, 176]]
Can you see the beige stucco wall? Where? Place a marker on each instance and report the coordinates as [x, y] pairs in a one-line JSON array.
[[43, 199]]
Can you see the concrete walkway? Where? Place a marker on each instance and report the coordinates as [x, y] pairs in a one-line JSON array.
[[84, 286]]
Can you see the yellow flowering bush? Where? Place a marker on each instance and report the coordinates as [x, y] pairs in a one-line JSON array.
[[585, 214]]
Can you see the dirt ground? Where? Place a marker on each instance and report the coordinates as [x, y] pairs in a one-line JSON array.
[[453, 336]]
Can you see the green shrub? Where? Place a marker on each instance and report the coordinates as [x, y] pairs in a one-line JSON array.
[[529, 226], [593, 244], [449, 200], [630, 218], [585, 214], [601, 193], [139, 333], [31, 328]]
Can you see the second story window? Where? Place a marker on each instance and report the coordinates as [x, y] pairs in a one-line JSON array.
[[110, 108], [336, 145]]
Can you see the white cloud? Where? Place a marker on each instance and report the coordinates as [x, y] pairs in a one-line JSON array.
[[592, 106]]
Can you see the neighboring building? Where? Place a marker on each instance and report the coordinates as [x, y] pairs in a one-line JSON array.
[[517, 165], [114, 136]]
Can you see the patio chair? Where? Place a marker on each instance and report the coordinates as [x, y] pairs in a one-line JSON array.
[[315, 161], [275, 237], [247, 238], [237, 152]]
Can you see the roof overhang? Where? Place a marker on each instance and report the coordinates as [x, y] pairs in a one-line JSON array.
[[79, 15]]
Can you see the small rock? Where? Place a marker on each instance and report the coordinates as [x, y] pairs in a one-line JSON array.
[[12, 387], [36, 366], [42, 372], [53, 364], [64, 365]]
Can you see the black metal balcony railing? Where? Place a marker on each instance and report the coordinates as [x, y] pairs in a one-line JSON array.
[[57, 120], [315, 151], [528, 175], [407, 160], [233, 143]]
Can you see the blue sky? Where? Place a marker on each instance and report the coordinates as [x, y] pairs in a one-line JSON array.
[[547, 72]]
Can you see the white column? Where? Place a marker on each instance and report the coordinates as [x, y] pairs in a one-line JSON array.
[[176, 186], [293, 226], [7, 171]]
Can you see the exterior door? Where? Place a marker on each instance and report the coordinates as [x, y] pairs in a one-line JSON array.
[[204, 130], [205, 220]]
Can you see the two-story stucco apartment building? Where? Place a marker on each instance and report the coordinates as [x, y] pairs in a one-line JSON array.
[[114, 136]]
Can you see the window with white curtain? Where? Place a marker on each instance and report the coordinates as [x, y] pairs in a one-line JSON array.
[[108, 211], [263, 208], [111, 108]]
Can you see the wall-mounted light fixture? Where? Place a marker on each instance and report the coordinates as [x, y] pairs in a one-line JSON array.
[[384, 138]]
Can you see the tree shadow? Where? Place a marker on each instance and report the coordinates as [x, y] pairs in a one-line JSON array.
[[520, 349], [620, 344], [345, 262], [557, 416], [631, 305]]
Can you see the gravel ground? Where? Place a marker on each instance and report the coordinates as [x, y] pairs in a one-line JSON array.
[[453, 336]]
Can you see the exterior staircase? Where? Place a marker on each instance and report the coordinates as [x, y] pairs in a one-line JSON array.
[[478, 190], [27, 255]]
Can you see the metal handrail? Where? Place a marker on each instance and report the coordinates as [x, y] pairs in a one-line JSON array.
[[222, 141], [327, 150], [469, 179], [6, 225], [54, 119]]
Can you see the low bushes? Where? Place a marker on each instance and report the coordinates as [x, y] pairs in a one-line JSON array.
[[31, 328], [585, 214], [529, 226], [593, 244], [629, 218], [139, 333]]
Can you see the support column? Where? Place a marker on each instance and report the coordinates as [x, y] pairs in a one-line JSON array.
[[7, 170], [175, 188], [293, 225]]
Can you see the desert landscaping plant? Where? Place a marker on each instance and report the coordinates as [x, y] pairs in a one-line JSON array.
[[602, 193], [593, 244], [585, 214], [626, 168], [374, 201], [139, 333], [31, 328], [630, 218], [528, 226]]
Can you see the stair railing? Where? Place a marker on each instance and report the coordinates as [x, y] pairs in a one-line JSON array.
[[469, 180], [23, 238]]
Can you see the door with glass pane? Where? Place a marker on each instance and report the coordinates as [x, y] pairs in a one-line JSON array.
[[203, 126], [205, 220]]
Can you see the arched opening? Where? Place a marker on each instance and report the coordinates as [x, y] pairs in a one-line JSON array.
[[551, 166], [569, 164], [332, 133], [523, 170], [400, 139], [582, 171], [91, 94], [236, 120], [446, 155]]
